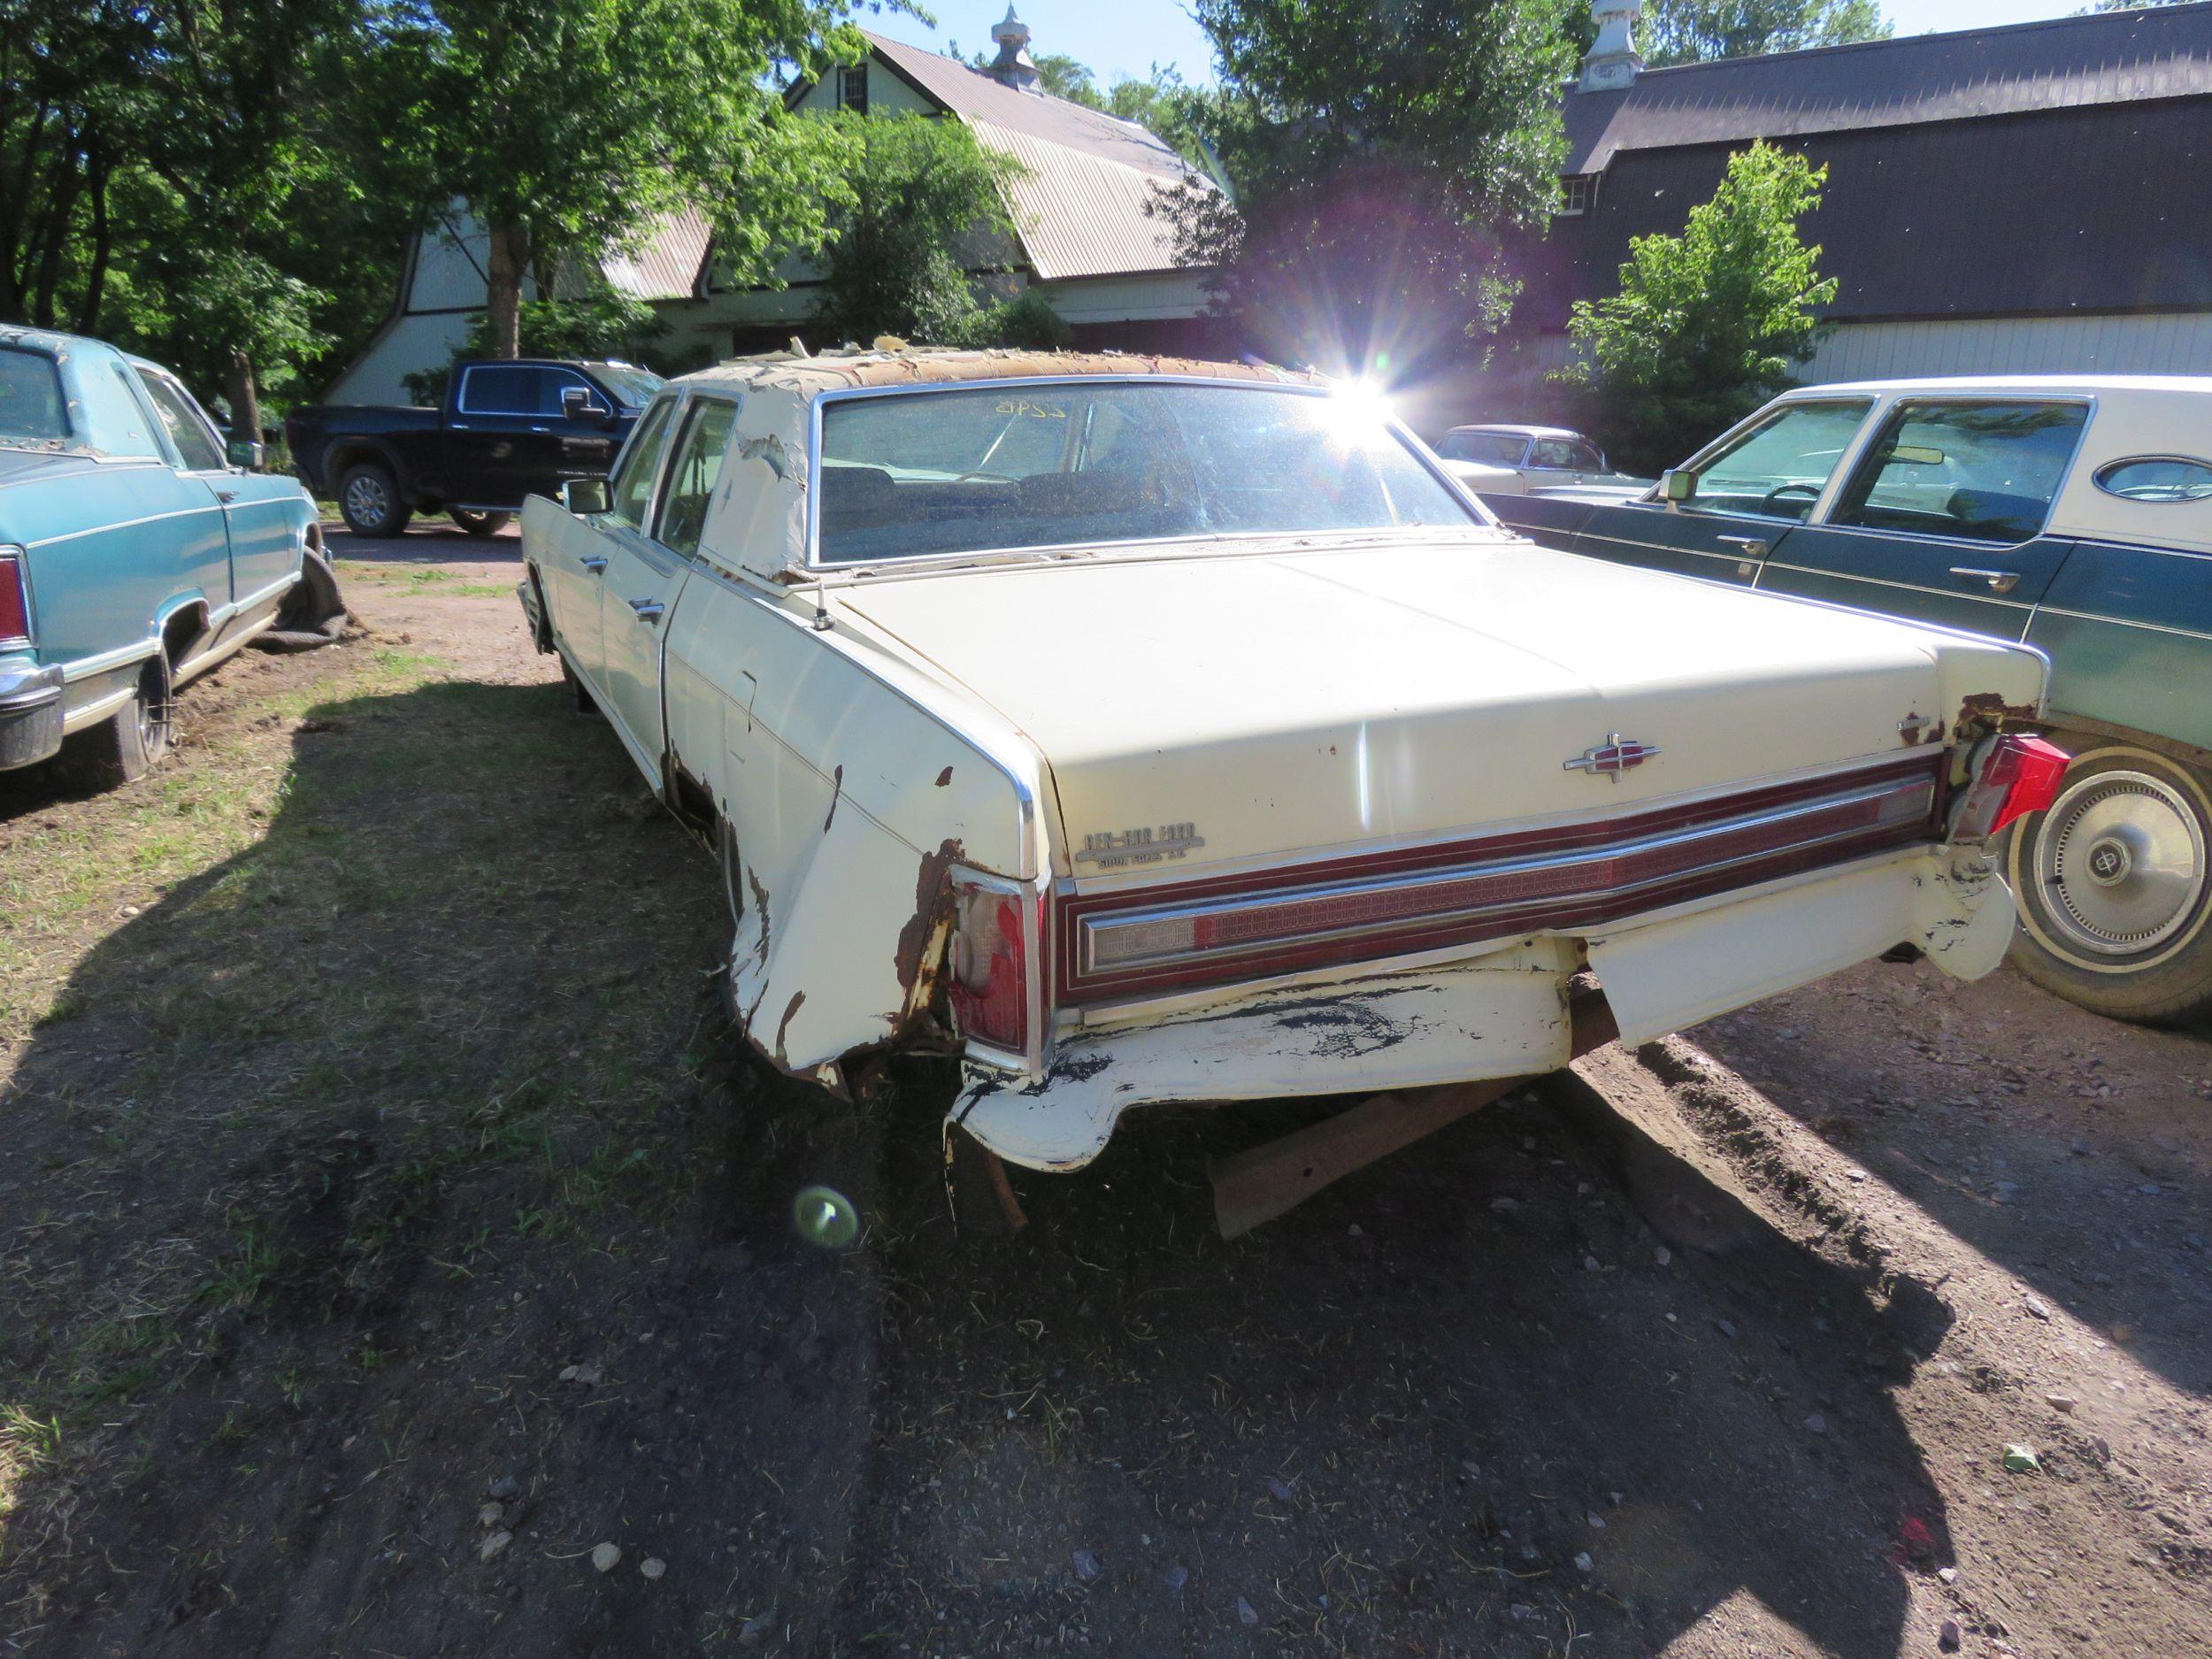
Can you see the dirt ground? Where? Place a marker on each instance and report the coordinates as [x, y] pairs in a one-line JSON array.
[[385, 1226]]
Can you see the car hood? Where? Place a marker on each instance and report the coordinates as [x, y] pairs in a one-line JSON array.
[[1287, 702]]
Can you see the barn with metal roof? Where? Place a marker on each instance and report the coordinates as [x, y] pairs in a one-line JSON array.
[[2028, 198]]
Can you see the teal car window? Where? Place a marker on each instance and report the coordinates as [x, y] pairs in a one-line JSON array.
[[1780, 466], [1981, 471], [2157, 477], [187, 428], [31, 403], [691, 479], [633, 490]]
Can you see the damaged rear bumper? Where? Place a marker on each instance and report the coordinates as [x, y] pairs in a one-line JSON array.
[[1498, 1015]]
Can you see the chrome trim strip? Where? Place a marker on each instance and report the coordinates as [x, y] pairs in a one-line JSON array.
[[121, 657], [1982, 598], [1095, 928], [125, 523], [2120, 622]]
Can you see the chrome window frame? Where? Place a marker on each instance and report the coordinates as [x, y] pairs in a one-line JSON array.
[[692, 403], [1856, 456], [677, 402], [2096, 479], [150, 378], [1480, 517], [1766, 415]]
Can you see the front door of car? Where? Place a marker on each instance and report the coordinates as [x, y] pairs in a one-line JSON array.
[[1752, 493], [1559, 463], [579, 551], [645, 576], [259, 511], [1942, 520]]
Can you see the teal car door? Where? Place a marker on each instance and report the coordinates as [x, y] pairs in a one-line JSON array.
[[1942, 519], [1753, 490], [261, 513]]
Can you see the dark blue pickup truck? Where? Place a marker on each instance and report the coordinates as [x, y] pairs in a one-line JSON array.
[[509, 430], [2067, 513]]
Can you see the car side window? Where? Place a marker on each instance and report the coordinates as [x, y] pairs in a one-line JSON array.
[[1556, 453], [501, 389], [633, 489], [2156, 478], [691, 478], [1981, 471], [1584, 457], [1778, 469], [185, 425]]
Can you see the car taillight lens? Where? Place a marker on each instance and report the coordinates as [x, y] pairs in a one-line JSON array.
[[15, 605], [993, 944], [2017, 775]]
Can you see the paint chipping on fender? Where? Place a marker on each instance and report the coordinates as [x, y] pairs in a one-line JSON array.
[[1989, 709], [944, 778], [797, 1002], [923, 941], [837, 793]]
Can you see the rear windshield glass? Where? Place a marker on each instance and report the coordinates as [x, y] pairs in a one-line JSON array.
[[1074, 462], [31, 405]]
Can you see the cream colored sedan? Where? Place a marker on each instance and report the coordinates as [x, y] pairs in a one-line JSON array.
[[1147, 731]]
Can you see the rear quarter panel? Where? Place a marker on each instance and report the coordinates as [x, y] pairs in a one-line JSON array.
[[113, 551], [2128, 630], [851, 784]]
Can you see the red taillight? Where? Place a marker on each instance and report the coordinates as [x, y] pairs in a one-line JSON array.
[[2018, 775], [991, 958], [15, 605]]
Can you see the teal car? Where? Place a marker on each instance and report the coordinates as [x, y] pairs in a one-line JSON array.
[[2067, 513], [136, 551]]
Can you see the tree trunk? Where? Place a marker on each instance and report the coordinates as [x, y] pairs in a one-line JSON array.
[[503, 289], [245, 398], [96, 281]]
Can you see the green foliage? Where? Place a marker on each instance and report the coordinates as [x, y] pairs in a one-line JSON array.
[[600, 325], [1708, 324], [1063, 77], [1691, 31], [1025, 320], [1377, 171], [565, 124], [923, 200]]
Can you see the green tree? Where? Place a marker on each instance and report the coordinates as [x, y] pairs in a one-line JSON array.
[[1377, 172], [1064, 77], [924, 201], [566, 126], [1692, 31], [1710, 324]]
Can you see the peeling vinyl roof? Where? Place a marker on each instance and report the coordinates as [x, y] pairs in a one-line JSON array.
[[902, 366], [2065, 62]]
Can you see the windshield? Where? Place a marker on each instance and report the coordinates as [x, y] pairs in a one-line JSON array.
[[1489, 448], [31, 404], [635, 387], [1073, 462]]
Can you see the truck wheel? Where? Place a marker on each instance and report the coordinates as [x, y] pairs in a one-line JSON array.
[[481, 523], [368, 495], [122, 747], [2115, 887]]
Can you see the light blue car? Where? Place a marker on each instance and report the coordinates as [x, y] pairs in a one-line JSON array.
[[136, 551]]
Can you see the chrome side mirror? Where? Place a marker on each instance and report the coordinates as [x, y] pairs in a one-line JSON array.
[[585, 496], [245, 453], [579, 404], [1677, 485]]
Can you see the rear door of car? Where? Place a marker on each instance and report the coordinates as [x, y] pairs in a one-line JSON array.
[[1754, 489], [1942, 518], [1562, 463], [646, 571], [497, 438]]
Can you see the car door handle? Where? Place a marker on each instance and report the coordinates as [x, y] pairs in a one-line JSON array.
[[594, 563], [226, 497], [2000, 581], [648, 611], [1752, 548]]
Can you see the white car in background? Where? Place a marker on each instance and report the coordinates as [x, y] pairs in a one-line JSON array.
[[1505, 460], [1147, 731]]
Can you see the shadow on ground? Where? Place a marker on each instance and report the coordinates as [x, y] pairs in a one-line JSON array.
[[399, 1166]]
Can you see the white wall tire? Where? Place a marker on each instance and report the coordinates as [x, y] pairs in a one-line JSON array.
[[2115, 885]]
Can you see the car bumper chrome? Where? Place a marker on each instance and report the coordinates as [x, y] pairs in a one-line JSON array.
[[30, 715], [1497, 1015]]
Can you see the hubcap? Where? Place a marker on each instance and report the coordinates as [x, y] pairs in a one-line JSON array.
[[365, 497], [2122, 859]]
